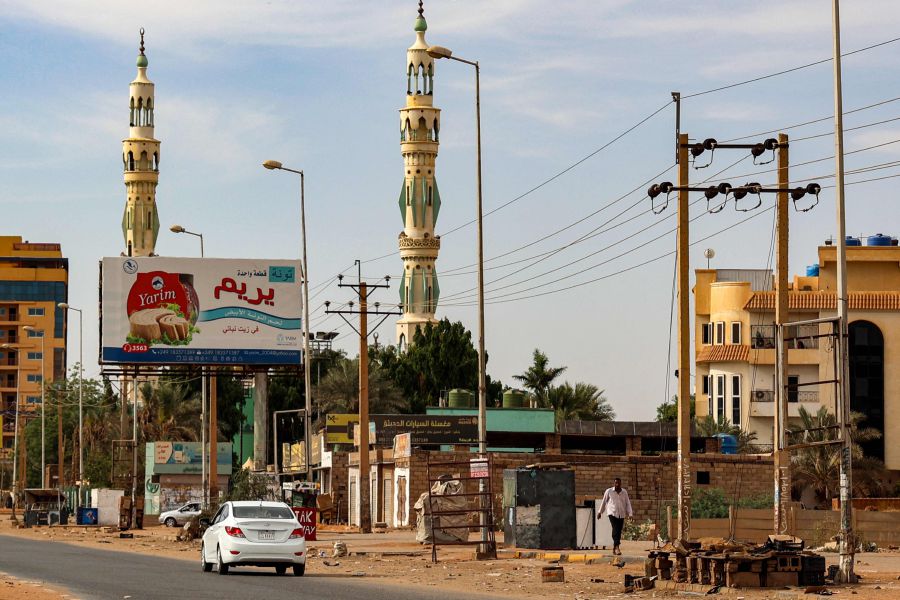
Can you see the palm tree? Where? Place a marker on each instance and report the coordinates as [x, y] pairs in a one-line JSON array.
[[338, 391], [584, 402], [171, 411], [709, 427], [539, 377], [819, 466]]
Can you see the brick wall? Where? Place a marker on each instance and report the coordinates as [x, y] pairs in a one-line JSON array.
[[650, 480]]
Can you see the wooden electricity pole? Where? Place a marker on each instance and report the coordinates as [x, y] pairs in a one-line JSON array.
[[213, 441], [60, 447], [363, 291], [684, 346], [782, 457], [365, 513]]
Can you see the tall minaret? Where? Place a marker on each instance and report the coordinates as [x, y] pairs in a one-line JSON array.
[[419, 199], [140, 158]]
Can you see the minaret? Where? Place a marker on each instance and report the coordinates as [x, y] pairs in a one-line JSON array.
[[419, 199], [140, 158]]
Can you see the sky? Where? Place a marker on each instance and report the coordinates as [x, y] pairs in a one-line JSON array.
[[572, 267]]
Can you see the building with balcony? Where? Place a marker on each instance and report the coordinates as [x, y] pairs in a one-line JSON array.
[[33, 280], [734, 336]]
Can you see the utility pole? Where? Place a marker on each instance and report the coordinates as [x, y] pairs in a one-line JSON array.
[[60, 449], [213, 440], [363, 291], [684, 346], [134, 432], [260, 419], [782, 457], [737, 193], [848, 541]]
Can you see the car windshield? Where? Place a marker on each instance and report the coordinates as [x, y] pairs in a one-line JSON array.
[[263, 512]]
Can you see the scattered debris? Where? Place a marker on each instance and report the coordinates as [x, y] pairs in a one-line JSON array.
[[340, 549], [331, 564], [553, 575]]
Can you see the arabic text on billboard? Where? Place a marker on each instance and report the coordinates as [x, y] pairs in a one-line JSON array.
[[425, 429], [200, 310]]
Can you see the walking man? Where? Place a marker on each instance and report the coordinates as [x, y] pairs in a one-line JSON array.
[[617, 505]]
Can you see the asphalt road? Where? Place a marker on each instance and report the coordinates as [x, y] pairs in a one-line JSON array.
[[102, 574]]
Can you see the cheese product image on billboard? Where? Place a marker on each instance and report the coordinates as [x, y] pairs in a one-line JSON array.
[[157, 310]]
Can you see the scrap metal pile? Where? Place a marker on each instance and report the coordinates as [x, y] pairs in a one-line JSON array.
[[781, 561]]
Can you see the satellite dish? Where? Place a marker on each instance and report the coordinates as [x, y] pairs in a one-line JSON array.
[[709, 254]]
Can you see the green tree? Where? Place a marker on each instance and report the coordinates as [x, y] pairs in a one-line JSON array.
[[709, 427], [441, 357], [338, 392], [819, 466], [584, 402], [667, 412], [539, 377]]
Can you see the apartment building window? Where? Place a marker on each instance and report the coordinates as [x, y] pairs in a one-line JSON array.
[[720, 398], [33, 399], [35, 312], [707, 333], [736, 400], [793, 391], [736, 332], [720, 332], [35, 333], [34, 378], [35, 355], [706, 385]]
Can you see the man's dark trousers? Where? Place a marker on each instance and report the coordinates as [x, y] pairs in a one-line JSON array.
[[617, 525]]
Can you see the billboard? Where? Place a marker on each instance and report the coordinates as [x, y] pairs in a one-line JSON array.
[[184, 458], [211, 311], [425, 430], [339, 428]]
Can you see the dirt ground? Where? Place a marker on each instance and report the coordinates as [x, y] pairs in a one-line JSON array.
[[16, 589], [396, 557]]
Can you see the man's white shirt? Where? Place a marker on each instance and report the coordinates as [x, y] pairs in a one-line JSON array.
[[616, 504]]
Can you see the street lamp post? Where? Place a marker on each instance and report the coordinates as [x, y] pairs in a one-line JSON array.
[[180, 229], [65, 306], [273, 165], [204, 484], [15, 470], [43, 412], [439, 52]]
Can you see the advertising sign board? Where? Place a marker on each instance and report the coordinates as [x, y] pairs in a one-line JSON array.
[[426, 429], [180, 458], [402, 445], [307, 518], [213, 311], [339, 428]]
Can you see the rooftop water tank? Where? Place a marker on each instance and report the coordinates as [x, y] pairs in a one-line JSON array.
[[812, 270], [728, 442], [878, 240], [459, 398], [852, 241], [514, 399]]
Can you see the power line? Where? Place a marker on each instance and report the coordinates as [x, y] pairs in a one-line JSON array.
[[786, 71], [814, 121]]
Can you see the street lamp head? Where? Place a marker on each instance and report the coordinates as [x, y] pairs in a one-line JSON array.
[[29, 328], [176, 229], [7, 347], [63, 306], [439, 52], [272, 164]]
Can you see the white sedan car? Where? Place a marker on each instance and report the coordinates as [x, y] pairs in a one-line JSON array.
[[254, 534]]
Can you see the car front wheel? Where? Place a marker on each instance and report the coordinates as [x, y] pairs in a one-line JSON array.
[[221, 567], [170, 522], [299, 570], [207, 567]]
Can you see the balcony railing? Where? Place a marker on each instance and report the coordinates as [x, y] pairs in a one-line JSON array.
[[793, 396], [797, 337]]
